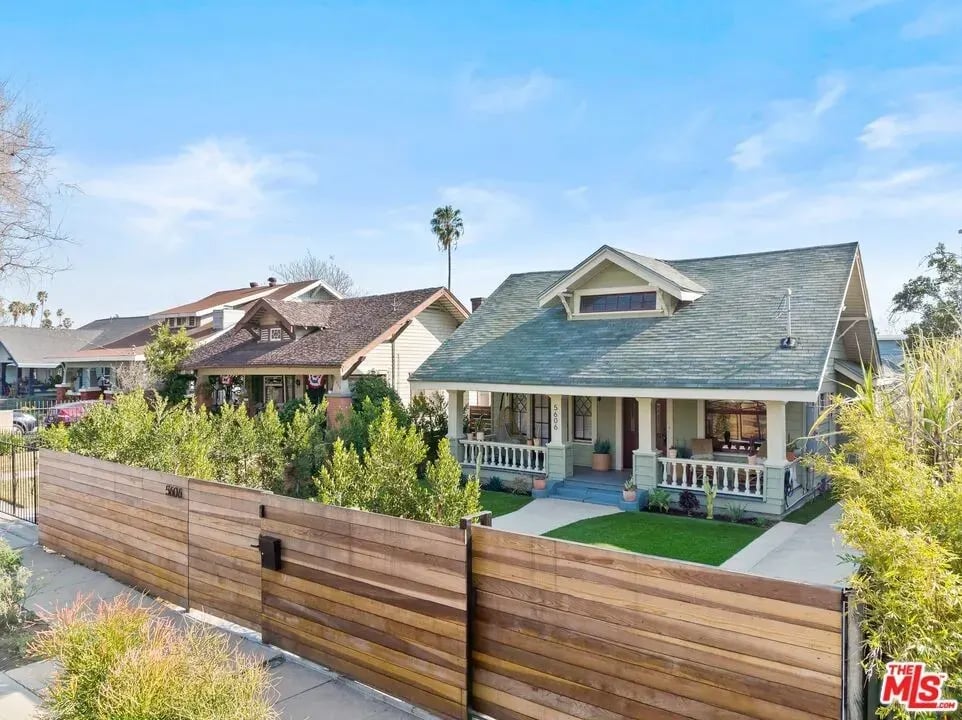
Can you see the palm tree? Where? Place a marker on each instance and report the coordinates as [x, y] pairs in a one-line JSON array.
[[42, 298], [16, 310], [46, 321], [32, 309], [448, 227]]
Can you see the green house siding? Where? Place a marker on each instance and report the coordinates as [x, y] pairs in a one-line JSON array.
[[685, 422]]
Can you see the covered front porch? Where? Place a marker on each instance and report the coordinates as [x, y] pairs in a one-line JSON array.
[[673, 443]]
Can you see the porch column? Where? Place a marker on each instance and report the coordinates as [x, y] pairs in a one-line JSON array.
[[775, 463], [775, 434], [455, 421], [645, 470], [559, 459], [646, 424]]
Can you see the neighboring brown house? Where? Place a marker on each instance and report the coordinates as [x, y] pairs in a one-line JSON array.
[[281, 350]]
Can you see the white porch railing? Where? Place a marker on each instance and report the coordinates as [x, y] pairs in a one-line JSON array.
[[504, 456], [731, 478]]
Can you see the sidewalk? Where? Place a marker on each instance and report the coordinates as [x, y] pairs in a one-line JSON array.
[[790, 551], [305, 691]]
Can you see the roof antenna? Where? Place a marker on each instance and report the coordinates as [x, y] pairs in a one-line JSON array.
[[789, 342]]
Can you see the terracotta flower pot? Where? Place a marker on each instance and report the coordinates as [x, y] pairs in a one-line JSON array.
[[540, 483], [601, 462], [791, 456], [629, 495]]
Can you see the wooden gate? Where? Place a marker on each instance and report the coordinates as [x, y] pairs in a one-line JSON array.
[[381, 599], [571, 631], [224, 569]]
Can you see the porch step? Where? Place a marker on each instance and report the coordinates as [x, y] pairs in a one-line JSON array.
[[589, 492]]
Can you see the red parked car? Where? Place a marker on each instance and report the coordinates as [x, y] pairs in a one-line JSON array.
[[67, 413]]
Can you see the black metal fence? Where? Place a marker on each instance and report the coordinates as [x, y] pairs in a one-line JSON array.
[[18, 478]]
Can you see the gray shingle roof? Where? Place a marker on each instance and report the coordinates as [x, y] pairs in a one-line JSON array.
[[727, 339], [664, 269], [43, 347]]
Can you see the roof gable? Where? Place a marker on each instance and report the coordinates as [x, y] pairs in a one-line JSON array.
[[646, 271]]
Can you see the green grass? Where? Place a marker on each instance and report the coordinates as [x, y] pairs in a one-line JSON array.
[[710, 542], [502, 503], [812, 510]]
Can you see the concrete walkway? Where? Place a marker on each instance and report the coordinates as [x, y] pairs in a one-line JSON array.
[[304, 691], [544, 514], [807, 553]]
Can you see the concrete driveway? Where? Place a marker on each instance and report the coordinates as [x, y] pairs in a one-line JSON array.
[[544, 514], [807, 553]]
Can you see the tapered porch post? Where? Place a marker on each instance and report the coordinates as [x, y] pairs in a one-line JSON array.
[[455, 421], [645, 470], [775, 462], [560, 459]]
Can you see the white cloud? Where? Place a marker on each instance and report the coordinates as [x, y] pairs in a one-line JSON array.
[[939, 19], [932, 116], [208, 187], [507, 94], [792, 122]]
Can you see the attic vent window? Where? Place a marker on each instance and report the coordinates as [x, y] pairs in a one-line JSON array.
[[276, 335], [621, 302]]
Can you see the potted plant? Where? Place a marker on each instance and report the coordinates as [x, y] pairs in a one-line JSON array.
[[630, 493], [790, 454], [539, 482], [672, 452], [601, 457]]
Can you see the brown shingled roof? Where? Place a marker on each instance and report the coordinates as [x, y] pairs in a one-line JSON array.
[[339, 330]]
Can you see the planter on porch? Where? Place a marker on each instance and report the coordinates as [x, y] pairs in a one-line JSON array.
[[601, 457]]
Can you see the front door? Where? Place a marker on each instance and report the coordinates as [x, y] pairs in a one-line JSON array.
[[629, 431]]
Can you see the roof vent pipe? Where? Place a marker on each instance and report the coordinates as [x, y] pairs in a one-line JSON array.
[[254, 283], [272, 281], [789, 341]]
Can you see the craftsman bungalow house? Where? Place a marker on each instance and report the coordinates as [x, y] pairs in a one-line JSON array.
[[709, 367], [283, 350]]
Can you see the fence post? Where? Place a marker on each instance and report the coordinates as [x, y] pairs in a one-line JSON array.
[[482, 518], [13, 476], [854, 681]]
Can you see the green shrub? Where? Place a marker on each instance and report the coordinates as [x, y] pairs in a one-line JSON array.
[[735, 511], [373, 387], [120, 661], [688, 501], [13, 586], [305, 445], [659, 499], [602, 447], [429, 413], [898, 477], [385, 478]]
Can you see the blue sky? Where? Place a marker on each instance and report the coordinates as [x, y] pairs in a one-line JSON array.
[[211, 140]]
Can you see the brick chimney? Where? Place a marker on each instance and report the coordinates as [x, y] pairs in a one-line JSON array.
[[476, 303], [254, 283]]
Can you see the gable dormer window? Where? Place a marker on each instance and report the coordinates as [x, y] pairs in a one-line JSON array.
[[619, 302]]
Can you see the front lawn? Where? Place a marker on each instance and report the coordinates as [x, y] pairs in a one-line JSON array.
[[710, 542], [812, 510], [502, 503]]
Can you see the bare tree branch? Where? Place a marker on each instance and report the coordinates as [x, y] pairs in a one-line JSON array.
[[27, 231], [313, 268]]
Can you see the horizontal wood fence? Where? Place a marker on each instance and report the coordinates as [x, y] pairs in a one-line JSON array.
[[514, 626], [117, 519], [378, 598], [570, 630]]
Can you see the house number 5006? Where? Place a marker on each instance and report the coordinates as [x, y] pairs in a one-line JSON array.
[[555, 416]]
